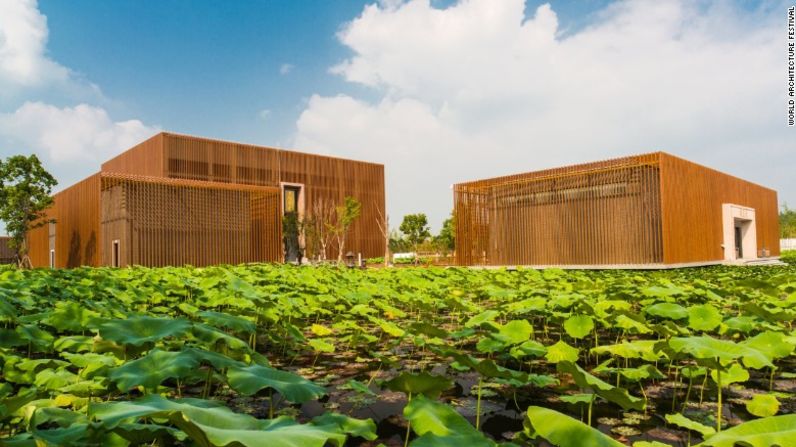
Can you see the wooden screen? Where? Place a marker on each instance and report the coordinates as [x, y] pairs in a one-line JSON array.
[[171, 157], [76, 235], [7, 256], [160, 222], [601, 213], [692, 199]]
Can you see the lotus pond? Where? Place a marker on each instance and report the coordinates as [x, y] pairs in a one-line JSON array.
[[265, 355]]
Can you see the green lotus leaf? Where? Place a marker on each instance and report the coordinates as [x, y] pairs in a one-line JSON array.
[[152, 369], [683, 422], [774, 345], [668, 290], [582, 398], [671, 311], [152, 434], [636, 349], [215, 339], [743, 324], [209, 424], [439, 425], [74, 343], [11, 404], [631, 325], [640, 373], [227, 321], [514, 332], [321, 345], [54, 379], [564, 431], [715, 352], [389, 327], [561, 352], [763, 405], [39, 339], [529, 348], [619, 396], [489, 344], [703, 317], [578, 326], [422, 383], [138, 330], [772, 431], [363, 428], [650, 444], [734, 374], [70, 316], [249, 380], [483, 317], [320, 330], [91, 363], [214, 359]]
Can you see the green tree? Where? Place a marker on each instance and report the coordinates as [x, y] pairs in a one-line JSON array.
[[446, 239], [398, 243], [25, 188], [415, 227], [346, 214], [787, 222]]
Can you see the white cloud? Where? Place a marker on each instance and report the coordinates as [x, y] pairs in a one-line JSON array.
[[476, 90], [77, 134], [23, 41], [264, 114], [69, 137], [286, 68]]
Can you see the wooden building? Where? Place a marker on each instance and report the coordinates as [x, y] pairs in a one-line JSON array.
[[175, 200], [7, 255], [647, 210]]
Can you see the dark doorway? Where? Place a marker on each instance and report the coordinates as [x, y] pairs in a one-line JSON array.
[[291, 223], [738, 242]]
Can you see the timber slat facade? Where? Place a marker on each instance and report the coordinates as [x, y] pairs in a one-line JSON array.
[[646, 209], [7, 256], [176, 199]]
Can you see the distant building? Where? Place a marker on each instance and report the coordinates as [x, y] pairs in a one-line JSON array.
[[7, 255], [652, 210], [175, 200]]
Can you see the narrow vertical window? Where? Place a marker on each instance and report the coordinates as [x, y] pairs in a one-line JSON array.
[[52, 259], [116, 257]]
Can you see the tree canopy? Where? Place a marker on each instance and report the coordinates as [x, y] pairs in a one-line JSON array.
[[446, 239], [25, 188], [787, 222], [416, 229]]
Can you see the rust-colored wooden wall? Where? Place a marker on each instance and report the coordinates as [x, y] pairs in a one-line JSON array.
[[145, 158], [692, 215], [597, 213], [647, 209], [77, 230], [171, 156], [160, 222], [7, 256], [323, 178]]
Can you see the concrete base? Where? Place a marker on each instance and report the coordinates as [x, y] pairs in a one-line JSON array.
[[740, 262]]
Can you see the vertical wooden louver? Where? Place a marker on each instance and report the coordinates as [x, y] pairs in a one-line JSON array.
[[646, 209], [160, 222], [176, 199]]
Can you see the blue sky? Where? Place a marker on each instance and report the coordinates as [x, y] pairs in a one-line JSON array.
[[211, 68], [440, 91]]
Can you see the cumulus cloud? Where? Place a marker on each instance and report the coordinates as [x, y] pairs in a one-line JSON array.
[[478, 89], [74, 140], [23, 42], [83, 133]]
